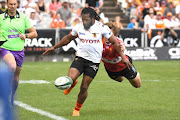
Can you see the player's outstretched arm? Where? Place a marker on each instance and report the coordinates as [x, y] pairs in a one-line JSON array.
[[116, 46], [122, 45], [64, 41]]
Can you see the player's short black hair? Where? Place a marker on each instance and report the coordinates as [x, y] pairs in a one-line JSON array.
[[92, 13]]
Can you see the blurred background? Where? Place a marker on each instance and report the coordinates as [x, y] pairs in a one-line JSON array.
[[145, 26], [150, 30]]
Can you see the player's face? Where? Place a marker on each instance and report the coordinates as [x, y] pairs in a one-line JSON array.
[[87, 21], [12, 5]]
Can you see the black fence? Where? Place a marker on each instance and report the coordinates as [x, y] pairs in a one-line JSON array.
[[149, 53], [139, 47], [45, 39]]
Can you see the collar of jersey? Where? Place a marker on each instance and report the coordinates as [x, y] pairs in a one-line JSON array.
[[6, 15]]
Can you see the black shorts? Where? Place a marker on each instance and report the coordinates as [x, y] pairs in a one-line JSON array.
[[128, 73], [85, 66]]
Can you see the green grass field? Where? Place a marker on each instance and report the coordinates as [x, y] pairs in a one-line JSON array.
[[157, 99]]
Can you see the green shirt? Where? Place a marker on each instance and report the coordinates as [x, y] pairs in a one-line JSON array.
[[10, 28]]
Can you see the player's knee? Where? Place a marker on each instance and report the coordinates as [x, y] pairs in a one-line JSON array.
[[138, 81], [137, 85], [12, 67], [119, 79]]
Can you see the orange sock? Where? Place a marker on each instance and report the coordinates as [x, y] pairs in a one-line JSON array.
[[78, 106]]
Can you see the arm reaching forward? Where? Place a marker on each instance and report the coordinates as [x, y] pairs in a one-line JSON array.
[[118, 48], [64, 41]]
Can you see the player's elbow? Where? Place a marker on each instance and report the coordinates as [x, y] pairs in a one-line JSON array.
[[35, 34]]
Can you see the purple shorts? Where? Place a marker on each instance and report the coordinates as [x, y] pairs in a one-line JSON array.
[[18, 55]]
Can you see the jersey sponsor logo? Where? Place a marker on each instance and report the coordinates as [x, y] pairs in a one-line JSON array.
[[95, 34], [95, 68], [13, 36], [80, 33], [12, 31], [113, 61], [89, 41]]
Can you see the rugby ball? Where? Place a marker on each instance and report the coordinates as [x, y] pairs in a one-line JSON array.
[[63, 82]]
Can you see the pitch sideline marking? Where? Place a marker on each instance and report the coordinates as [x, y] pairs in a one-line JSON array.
[[34, 81], [47, 82], [39, 111]]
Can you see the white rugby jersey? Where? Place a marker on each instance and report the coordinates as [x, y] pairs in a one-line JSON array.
[[90, 45]]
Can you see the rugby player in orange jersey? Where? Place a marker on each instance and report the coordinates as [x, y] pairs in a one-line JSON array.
[[113, 61]]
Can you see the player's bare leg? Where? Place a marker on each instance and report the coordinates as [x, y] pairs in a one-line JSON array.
[[119, 79], [136, 82], [67, 91], [15, 71], [10, 61], [82, 94], [83, 90], [15, 83], [73, 74]]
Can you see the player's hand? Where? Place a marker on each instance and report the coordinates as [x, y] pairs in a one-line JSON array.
[[48, 51], [22, 36], [127, 63], [122, 46]]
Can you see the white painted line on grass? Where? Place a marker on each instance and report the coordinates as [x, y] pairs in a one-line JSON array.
[[108, 81], [152, 80], [34, 81], [39, 111], [159, 80]]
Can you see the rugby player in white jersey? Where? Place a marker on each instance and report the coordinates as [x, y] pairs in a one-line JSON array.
[[89, 52]]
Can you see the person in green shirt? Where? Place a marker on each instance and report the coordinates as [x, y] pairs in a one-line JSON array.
[[12, 38]]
